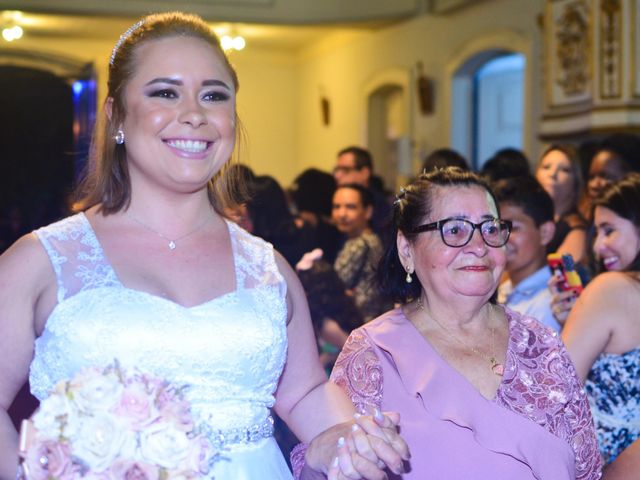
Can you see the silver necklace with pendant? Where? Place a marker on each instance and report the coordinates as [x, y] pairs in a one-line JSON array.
[[172, 243]]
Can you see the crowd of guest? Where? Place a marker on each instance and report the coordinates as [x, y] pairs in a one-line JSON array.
[[359, 255]]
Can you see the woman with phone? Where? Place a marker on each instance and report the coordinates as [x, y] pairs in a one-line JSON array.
[[602, 332]]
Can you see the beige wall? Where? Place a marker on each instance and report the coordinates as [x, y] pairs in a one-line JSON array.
[[440, 43], [267, 109], [266, 100], [279, 98]]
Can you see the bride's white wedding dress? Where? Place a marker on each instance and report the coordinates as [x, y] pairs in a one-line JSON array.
[[230, 350]]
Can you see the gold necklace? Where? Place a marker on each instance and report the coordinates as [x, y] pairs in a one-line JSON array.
[[496, 367], [171, 243]]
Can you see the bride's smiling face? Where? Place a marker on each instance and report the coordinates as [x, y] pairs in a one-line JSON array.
[[179, 121]]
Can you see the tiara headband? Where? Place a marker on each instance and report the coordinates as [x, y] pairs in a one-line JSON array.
[[123, 38]]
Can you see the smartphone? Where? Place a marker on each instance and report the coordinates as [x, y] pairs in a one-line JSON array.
[[563, 268]]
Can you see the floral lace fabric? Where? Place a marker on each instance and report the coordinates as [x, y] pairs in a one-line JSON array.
[[228, 351], [539, 384]]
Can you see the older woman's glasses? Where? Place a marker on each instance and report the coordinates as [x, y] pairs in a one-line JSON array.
[[456, 232]]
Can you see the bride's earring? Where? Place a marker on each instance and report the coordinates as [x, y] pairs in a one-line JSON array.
[[119, 137]]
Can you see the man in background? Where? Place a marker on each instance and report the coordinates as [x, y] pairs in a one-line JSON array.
[[355, 165]]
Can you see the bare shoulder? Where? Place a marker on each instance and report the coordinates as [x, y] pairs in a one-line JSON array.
[[605, 305], [25, 274], [27, 259], [608, 296], [612, 285], [283, 266]]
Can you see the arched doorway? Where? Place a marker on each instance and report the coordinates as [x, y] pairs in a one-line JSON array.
[[488, 104], [385, 131], [388, 124], [499, 106]]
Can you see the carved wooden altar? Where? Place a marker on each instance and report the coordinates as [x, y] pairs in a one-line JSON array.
[[591, 68]]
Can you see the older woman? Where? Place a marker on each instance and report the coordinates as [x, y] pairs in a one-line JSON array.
[[482, 391]]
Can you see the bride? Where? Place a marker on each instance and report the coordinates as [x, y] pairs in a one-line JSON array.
[[150, 273]]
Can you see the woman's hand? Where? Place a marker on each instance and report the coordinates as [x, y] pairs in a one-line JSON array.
[[360, 449], [561, 302]]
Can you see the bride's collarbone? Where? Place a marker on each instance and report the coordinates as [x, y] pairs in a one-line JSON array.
[[198, 277]]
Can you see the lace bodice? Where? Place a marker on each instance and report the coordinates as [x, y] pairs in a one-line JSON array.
[[230, 350]]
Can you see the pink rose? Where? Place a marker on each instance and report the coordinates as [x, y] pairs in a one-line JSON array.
[[200, 453], [134, 406], [47, 459], [165, 394], [129, 470], [174, 410], [153, 384]]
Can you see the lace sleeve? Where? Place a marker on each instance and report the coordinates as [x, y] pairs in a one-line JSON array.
[[542, 384], [359, 373]]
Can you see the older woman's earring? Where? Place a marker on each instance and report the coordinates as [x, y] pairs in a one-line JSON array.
[[409, 278], [119, 137]]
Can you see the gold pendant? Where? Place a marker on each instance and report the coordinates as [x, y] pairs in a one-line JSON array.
[[496, 367]]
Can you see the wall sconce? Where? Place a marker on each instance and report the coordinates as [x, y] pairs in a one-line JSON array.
[[325, 108], [424, 86]]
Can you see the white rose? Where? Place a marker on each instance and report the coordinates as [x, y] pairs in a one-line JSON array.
[[164, 445], [97, 392], [100, 440], [54, 413]]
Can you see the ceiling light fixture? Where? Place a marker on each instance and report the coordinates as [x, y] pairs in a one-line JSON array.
[[12, 33], [11, 30], [232, 42]]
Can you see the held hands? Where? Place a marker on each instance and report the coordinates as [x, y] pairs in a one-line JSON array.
[[361, 449], [561, 302]]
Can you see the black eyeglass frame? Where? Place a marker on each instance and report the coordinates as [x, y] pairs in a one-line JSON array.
[[440, 223]]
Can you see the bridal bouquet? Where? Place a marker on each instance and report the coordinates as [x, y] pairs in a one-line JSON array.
[[105, 424]]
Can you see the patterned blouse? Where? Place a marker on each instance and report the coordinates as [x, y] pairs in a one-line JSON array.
[[355, 265], [539, 383], [613, 388]]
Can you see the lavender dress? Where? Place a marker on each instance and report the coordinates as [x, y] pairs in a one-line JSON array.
[[537, 427]]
